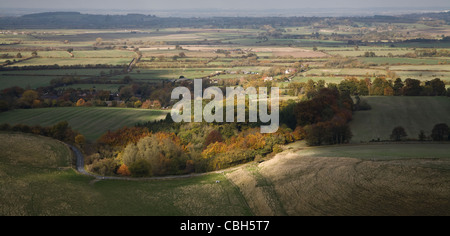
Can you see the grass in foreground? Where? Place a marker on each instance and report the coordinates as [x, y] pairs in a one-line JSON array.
[[34, 181], [389, 179]]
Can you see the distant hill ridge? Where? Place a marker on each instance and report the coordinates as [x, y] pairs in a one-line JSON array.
[[51, 14], [77, 20]]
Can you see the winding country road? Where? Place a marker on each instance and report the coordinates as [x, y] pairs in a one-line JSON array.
[[80, 168]]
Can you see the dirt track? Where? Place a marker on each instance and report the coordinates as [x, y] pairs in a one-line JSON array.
[[290, 184]]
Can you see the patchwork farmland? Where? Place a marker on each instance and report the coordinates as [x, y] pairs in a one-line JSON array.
[[345, 84]]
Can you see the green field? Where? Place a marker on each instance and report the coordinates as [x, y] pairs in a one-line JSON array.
[[74, 61], [41, 78], [380, 152], [350, 52], [436, 68], [25, 81], [392, 179], [413, 113], [399, 60], [344, 72], [34, 180], [91, 122]]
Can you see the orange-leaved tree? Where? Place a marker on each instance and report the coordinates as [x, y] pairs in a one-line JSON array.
[[123, 170], [80, 102]]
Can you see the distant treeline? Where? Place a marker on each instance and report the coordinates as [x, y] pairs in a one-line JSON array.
[[76, 20], [61, 131], [379, 86], [57, 67]]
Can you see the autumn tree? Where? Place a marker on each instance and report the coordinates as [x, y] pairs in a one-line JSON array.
[[124, 136], [80, 139], [412, 87], [398, 87], [137, 104], [388, 91], [126, 93], [27, 99], [295, 88], [80, 102], [315, 134], [325, 117], [370, 54], [287, 115], [60, 131], [330, 132], [213, 137], [162, 152], [147, 104], [123, 170], [214, 149], [363, 88], [103, 95], [140, 168], [437, 87], [378, 86], [310, 88], [156, 104], [98, 41], [104, 167], [349, 85], [321, 108]]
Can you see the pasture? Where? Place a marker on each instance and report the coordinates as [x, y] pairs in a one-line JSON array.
[[91, 122], [412, 113], [338, 180], [74, 61], [354, 179], [41, 78], [36, 180], [25, 81]]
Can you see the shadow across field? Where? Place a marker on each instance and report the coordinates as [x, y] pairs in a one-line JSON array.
[[351, 180], [92, 122], [412, 113]]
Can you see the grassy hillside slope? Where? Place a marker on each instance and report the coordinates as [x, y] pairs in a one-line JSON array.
[[35, 180], [350, 180], [413, 113]]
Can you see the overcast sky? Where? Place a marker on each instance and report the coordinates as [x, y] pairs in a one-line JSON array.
[[219, 4]]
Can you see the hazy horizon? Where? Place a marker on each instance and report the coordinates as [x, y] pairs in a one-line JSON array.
[[309, 12], [226, 8]]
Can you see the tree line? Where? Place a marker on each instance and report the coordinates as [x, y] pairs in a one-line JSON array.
[[76, 20], [439, 133], [380, 86], [181, 148], [323, 119], [130, 94], [60, 131]]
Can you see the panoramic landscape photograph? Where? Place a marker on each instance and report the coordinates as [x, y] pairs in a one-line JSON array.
[[224, 108]]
